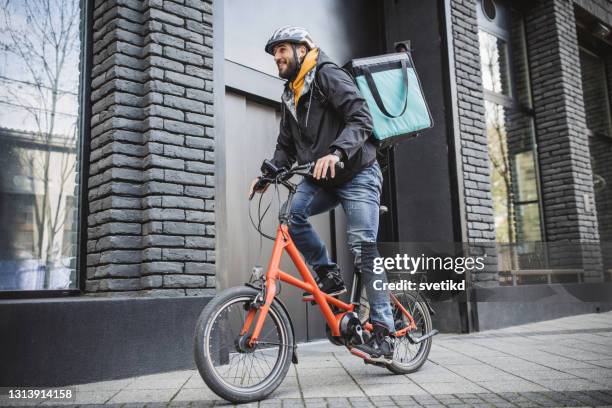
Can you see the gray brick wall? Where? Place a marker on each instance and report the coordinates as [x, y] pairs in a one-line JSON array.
[[563, 146], [474, 151], [602, 9], [601, 161], [151, 186], [601, 153]]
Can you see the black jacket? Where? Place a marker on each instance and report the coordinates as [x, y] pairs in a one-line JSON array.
[[331, 115]]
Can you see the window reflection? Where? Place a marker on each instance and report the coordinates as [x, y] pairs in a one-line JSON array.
[[526, 176], [594, 86], [510, 137], [494, 63], [39, 82], [513, 174]]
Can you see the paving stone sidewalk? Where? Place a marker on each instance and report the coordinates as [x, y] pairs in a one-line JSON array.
[[562, 362]]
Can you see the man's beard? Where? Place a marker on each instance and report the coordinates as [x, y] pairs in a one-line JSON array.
[[290, 71]]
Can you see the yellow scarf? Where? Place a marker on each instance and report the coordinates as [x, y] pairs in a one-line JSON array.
[[310, 60]]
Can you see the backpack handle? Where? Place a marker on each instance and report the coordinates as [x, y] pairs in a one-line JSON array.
[[376, 94]]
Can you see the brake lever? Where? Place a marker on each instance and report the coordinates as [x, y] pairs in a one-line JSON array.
[[286, 175], [261, 183]]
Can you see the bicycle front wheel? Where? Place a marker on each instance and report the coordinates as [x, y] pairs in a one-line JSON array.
[[231, 368]]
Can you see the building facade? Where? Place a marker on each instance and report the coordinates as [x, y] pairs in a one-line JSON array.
[[126, 165]]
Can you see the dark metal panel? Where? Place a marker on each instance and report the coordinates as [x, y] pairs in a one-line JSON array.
[[250, 81], [424, 205], [250, 136], [427, 190], [55, 342]]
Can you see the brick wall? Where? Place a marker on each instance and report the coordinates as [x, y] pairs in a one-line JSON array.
[[474, 151], [563, 146], [601, 161], [151, 186], [601, 153], [602, 9]]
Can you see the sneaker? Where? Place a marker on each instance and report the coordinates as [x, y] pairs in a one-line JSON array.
[[329, 281], [379, 348]]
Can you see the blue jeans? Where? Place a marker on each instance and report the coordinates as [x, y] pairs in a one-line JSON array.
[[360, 199]]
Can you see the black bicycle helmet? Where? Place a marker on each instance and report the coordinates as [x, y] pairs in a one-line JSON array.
[[291, 34]]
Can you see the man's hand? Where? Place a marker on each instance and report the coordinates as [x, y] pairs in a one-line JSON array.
[[252, 190], [325, 163]]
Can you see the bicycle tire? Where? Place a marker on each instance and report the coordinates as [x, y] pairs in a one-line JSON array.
[[204, 357], [416, 306], [412, 302]]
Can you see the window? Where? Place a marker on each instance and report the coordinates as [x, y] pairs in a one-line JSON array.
[[510, 137], [40, 48], [594, 89], [494, 67]]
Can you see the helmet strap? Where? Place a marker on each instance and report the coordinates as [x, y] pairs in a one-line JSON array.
[[298, 65]]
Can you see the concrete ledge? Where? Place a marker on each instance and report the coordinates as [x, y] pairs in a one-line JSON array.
[[51, 342], [497, 315], [546, 293], [512, 305]]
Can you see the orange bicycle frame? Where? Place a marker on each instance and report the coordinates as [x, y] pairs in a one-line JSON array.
[[283, 242]]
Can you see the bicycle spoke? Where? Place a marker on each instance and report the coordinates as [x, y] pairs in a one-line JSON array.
[[248, 367], [406, 353], [245, 372], [267, 364], [270, 342]]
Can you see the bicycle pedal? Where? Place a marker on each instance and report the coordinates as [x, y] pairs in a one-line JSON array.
[[367, 359], [376, 363]]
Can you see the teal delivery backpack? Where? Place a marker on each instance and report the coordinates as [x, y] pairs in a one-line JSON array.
[[391, 88]]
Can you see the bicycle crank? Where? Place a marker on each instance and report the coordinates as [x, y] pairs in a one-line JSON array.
[[351, 331]]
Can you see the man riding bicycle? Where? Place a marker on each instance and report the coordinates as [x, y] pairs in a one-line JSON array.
[[326, 120]]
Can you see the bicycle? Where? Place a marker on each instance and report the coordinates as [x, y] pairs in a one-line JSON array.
[[244, 338]]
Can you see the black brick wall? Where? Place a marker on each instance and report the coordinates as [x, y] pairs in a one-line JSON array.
[[151, 186], [563, 144], [602, 9], [565, 165], [474, 151]]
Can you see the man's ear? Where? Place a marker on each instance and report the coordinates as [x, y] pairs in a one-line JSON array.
[[302, 51]]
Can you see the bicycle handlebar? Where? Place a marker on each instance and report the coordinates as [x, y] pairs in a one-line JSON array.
[[283, 175]]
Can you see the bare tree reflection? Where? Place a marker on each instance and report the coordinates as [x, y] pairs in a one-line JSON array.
[[501, 180], [39, 40]]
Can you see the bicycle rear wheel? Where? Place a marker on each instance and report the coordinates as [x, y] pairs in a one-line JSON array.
[[408, 357], [232, 369]]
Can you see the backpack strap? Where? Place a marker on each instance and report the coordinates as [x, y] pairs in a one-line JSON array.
[[319, 68], [376, 94]]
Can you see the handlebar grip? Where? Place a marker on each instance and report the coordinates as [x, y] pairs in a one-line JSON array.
[[339, 165], [261, 183]]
